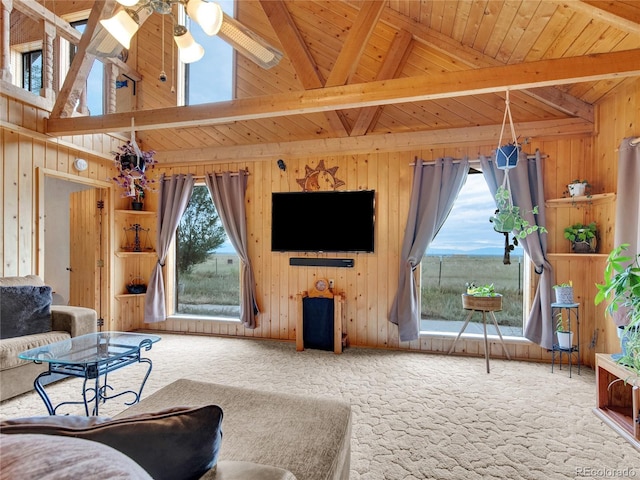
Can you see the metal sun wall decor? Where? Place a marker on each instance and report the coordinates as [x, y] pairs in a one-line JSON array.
[[319, 178]]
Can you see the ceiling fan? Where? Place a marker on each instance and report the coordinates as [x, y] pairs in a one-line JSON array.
[[209, 15]]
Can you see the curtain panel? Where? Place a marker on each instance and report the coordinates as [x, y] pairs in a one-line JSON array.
[[228, 193], [527, 191], [435, 188], [175, 193]]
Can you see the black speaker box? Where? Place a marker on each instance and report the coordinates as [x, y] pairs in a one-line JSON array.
[[321, 262]]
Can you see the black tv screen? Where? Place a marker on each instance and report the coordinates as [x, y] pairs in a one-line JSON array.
[[334, 221]]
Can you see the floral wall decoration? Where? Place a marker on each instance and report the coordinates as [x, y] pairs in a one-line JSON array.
[[134, 167]]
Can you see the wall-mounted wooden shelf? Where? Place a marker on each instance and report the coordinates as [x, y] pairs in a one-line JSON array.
[[579, 201], [575, 256], [129, 295], [135, 212], [135, 254]]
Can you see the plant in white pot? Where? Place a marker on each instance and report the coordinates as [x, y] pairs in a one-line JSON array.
[[565, 336], [564, 293], [622, 287], [578, 188]]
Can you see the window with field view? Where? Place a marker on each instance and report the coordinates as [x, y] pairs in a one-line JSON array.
[[207, 267], [465, 250]]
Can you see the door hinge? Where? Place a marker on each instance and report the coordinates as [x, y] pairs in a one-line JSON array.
[[100, 263]]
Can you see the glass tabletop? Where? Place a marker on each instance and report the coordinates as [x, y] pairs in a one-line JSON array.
[[100, 347]]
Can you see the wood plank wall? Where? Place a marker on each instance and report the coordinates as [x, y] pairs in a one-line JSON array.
[[370, 286]]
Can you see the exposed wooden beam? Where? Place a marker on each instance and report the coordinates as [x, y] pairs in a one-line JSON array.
[[76, 78], [392, 63], [562, 101], [391, 142], [475, 59], [616, 14], [355, 43], [560, 71], [298, 54], [38, 12]]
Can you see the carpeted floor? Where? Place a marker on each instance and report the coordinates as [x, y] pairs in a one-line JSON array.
[[416, 416]]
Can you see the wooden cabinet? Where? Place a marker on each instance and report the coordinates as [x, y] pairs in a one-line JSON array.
[[135, 257], [618, 398]]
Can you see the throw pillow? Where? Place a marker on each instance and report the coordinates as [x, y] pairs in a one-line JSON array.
[[24, 310], [43, 457], [173, 444]]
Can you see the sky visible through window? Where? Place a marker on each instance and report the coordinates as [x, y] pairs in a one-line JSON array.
[[468, 230]]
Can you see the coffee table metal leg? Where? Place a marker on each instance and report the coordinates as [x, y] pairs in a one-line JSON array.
[[43, 394]]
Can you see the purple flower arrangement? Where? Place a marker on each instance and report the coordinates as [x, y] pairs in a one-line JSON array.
[[133, 167]]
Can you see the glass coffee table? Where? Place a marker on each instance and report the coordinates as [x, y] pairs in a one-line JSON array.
[[92, 357]]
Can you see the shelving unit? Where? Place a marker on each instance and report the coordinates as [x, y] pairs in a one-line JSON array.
[[571, 310], [618, 398], [597, 199], [130, 265]]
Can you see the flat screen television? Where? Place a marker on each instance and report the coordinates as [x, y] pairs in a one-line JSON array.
[[331, 221]]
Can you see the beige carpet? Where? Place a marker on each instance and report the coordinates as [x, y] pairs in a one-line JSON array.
[[416, 416]]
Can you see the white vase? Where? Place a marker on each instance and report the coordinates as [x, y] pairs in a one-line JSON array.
[[565, 339], [576, 189]]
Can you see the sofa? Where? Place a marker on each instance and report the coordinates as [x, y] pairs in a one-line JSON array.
[[28, 320], [188, 430]]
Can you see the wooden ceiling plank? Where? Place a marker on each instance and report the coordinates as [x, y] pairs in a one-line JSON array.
[[376, 143], [393, 61], [80, 67], [355, 43], [299, 56], [407, 89], [471, 57], [616, 14]]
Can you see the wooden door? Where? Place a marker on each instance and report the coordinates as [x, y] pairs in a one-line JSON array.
[[88, 244]]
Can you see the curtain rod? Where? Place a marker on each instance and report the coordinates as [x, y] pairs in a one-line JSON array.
[[476, 160], [217, 174]]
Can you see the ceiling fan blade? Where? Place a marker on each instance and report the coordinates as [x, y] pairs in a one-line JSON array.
[[249, 43]]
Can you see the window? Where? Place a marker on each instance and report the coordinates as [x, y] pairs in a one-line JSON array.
[[467, 249], [207, 267], [211, 78], [32, 71], [95, 80]]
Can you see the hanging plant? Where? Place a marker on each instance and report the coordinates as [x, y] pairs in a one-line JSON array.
[[508, 219], [133, 167]]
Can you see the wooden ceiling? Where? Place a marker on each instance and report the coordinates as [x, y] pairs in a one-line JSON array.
[[371, 74]]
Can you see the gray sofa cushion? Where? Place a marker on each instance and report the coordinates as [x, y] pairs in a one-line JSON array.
[[43, 457], [24, 310], [173, 444]]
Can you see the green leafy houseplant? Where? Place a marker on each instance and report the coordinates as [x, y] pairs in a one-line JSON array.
[[582, 237], [622, 287], [482, 290], [508, 219]]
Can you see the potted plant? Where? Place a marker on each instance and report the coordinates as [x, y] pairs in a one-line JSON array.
[[578, 188], [622, 287], [507, 155], [565, 337], [483, 297], [583, 238], [564, 293], [507, 219], [133, 177]]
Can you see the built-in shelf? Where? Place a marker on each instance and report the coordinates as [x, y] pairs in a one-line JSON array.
[[575, 201], [135, 212], [129, 295], [585, 256], [135, 254]]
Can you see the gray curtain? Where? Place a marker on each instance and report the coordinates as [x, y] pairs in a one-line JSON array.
[[527, 191], [175, 193], [627, 228], [435, 188], [228, 191]]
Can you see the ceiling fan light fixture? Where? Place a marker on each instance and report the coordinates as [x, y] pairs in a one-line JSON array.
[[190, 50], [206, 14], [122, 26]]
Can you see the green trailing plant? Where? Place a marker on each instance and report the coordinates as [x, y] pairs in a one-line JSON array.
[[561, 325], [581, 233], [482, 290], [622, 288], [508, 219]]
